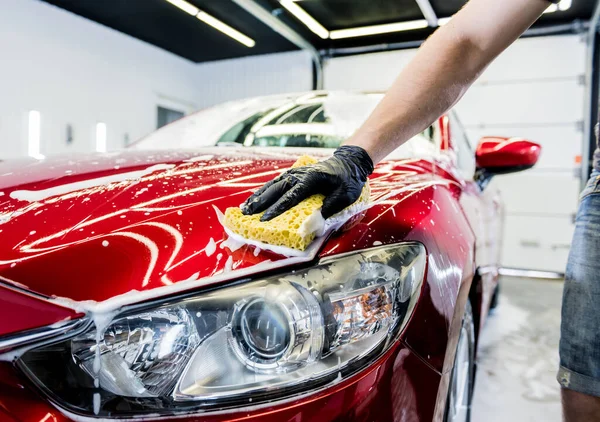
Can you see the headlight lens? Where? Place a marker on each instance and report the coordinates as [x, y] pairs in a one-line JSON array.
[[258, 341], [139, 355]]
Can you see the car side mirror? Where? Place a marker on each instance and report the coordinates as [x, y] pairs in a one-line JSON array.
[[497, 155]]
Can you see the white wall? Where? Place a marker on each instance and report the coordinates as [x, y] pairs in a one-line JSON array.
[[534, 90], [253, 76], [74, 71], [77, 72]]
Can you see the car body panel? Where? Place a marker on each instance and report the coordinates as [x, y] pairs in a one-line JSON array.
[[21, 312], [373, 394], [424, 194], [107, 230], [167, 216]]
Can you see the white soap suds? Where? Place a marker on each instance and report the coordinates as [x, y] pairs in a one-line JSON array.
[[256, 251], [96, 403], [32, 232], [5, 218], [1, 193], [315, 222], [101, 320], [228, 264], [193, 277], [199, 158], [377, 243], [40, 195], [211, 247], [232, 243], [115, 303], [105, 243]]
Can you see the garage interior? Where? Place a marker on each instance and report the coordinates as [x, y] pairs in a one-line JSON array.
[[99, 75]]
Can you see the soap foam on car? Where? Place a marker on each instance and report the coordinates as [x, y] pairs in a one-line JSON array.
[[292, 232]]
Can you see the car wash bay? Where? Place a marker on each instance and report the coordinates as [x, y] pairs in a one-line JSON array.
[[138, 67]]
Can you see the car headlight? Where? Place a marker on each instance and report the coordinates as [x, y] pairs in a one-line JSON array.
[[253, 342]]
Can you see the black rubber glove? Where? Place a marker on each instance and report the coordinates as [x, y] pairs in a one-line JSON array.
[[340, 178]]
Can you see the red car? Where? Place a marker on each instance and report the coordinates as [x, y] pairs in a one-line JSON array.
[[122, 297]]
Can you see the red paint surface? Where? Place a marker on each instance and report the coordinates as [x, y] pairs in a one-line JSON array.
[[102, 241], [22, 312], [497, 153], [396, 386]]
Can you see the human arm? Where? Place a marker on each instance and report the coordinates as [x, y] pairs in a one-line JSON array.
[[446, 65], [443, 69]]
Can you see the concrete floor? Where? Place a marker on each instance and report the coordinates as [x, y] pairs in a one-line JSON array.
[[518, 355]]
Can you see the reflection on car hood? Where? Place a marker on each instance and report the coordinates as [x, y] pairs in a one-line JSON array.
[[97, 226]]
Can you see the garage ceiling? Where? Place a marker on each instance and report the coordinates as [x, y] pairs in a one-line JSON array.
[[190, 34]]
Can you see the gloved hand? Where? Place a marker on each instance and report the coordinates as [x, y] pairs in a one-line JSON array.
[[340, 178]]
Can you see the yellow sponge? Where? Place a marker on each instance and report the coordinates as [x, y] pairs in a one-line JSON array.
[[291, 229]]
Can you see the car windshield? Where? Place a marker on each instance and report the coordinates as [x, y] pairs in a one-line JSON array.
[[317, 120]]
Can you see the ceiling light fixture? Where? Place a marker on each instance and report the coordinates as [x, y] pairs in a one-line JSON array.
[[214, 22], [378, 29], [444, 21], [185, 6], [428, 12], [565, 5], [562, 6], [226, 29], [310, 22]]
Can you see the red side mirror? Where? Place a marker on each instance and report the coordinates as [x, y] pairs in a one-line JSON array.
[[497, 155]]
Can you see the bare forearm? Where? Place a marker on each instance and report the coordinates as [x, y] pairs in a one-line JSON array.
[[443, 69]]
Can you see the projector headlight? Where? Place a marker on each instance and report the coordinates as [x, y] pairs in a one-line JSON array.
[[254, 342]]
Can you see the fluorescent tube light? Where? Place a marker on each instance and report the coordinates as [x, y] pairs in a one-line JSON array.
[[226, 29], [565, 5], [101, 137], [378, 29], [33, 135], [214, 22], [428, 12], [515, 272], [444, 21], [310, 22], [185, 6]]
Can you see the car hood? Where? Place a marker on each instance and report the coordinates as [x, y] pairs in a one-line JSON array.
[[97, 226]]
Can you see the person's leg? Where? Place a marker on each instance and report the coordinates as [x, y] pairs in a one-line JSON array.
[[579, 407], [579, 373]]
